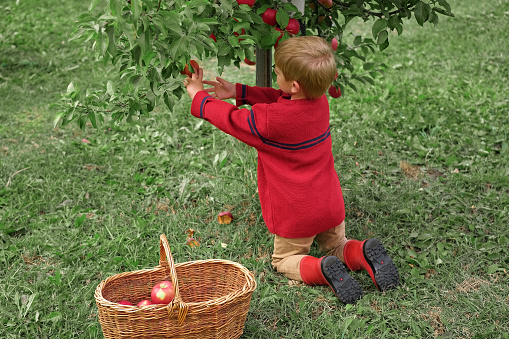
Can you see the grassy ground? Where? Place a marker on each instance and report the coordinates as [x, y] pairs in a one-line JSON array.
[[422, 156]]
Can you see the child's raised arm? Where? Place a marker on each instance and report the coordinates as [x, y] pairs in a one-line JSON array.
[[221, 89]]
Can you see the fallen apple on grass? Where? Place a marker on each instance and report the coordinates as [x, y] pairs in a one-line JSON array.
[[225, 217], [162, 293]]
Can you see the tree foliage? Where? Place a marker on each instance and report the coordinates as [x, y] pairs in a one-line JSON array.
[[150, 42]]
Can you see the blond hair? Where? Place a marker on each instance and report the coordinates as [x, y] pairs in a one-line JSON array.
[[308, 60]]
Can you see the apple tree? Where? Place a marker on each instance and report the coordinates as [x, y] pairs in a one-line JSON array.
[[151, 42]]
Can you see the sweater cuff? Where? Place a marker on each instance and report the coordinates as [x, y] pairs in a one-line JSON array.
[[197, 106], [241, 95]]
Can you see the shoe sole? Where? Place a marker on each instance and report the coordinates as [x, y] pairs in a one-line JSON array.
[[346, 288], [385, 272]]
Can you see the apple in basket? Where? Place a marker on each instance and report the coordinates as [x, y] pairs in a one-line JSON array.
[[125, 302], [145, 302], [162, 293]]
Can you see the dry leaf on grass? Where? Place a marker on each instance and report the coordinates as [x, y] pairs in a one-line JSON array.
[[471, 284], [410, 171]]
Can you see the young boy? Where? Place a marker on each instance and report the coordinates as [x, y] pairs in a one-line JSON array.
[[298, 186]]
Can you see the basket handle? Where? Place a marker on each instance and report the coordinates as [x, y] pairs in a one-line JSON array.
[[166, 260]]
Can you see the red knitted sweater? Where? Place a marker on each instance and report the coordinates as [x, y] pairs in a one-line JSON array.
[[299, 189]]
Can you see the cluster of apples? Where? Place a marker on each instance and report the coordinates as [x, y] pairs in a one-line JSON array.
[[269, 17], [162, 293]]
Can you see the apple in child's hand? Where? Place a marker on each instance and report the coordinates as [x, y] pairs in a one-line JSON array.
[[334, 91], [269, 17], [293, 26], [125, 302], [145, 302], [187, 71], [162, 293]]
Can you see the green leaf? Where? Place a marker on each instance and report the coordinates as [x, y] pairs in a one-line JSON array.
[[178, 46], [421, 13], [93, 5], [168, 100], [226, 5], [129, 32], [282, 18], [160, 24], [382, 37], [91, 117], [443, 12], [445, 5], [384, 45], [116, 7], [223, 48], [112, 48], [368, 65], [58, 116], [136, 7], [394, 21], [434, 18], [109, 88], [378, 26], [70, 88], [172, 22]]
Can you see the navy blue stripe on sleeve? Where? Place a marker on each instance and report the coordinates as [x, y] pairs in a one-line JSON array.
[[204, 100], [295, 146], [244, 92]]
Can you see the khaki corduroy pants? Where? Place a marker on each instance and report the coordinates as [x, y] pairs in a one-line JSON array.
[[289, 252]]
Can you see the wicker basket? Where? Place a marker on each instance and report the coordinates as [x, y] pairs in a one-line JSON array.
[[211, 300]]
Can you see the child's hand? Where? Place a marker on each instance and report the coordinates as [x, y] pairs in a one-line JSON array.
[[194, 84], [222, 89]]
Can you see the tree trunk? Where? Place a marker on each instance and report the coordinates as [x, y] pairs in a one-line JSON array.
[[263, 67]]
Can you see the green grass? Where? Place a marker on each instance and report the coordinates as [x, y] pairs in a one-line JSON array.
[[422, 156]]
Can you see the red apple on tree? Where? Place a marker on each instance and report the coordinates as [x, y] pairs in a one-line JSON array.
[[162, 293], [334, 91], [293, 26], [334, 44], [281, 33], [326, 3], [250, 3], [269, 17], [145, 302], [213, 37], [249, 62], [242, 32]]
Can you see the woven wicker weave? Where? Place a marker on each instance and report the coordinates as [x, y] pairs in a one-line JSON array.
[[211, 300]]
